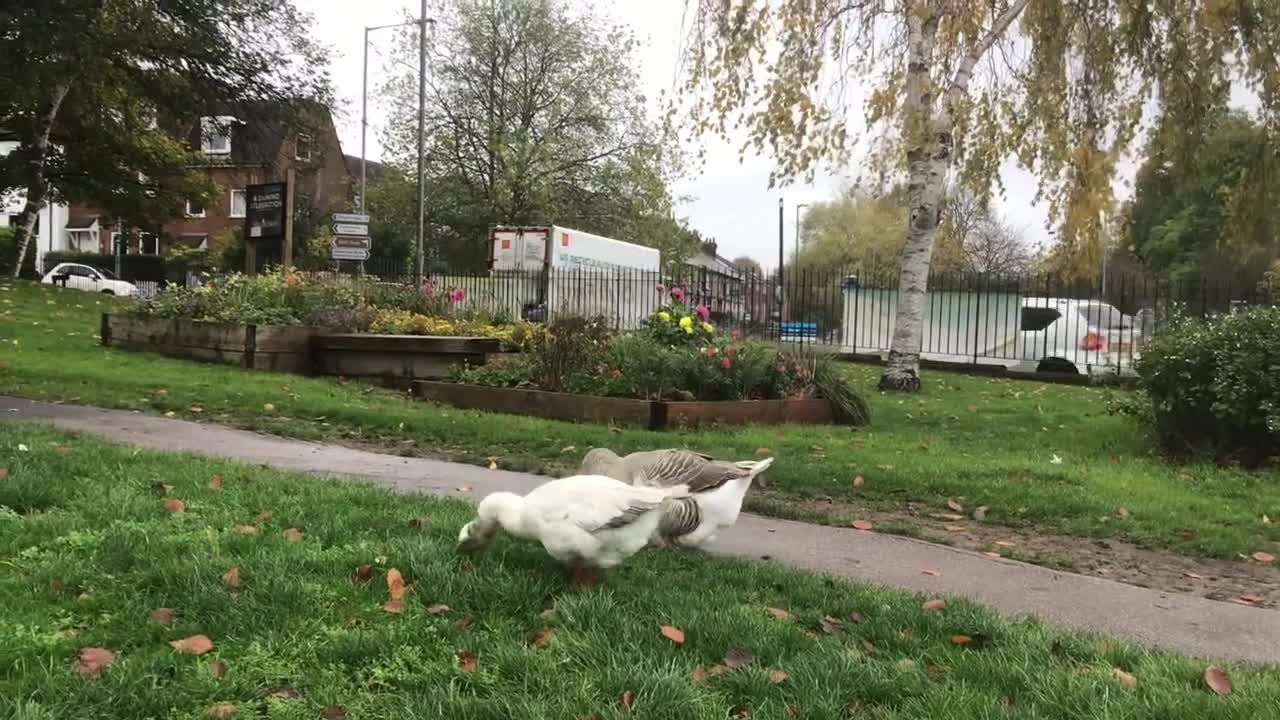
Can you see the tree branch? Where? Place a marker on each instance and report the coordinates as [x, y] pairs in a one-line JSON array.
[[960, 83]]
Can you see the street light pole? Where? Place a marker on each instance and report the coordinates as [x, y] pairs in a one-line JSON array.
[[364, 118], [781, 296], [422, 113]]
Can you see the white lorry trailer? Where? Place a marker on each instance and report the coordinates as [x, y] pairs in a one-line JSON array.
[[548, 269]]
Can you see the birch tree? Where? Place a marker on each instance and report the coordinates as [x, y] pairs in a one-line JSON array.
[[959, 86]]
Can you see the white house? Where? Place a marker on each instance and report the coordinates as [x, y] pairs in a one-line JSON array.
[[52, 233]]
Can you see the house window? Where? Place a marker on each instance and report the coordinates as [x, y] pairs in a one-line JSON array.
[[195, 241], [215, 134], [149, 244], [195, 208], [302, 148], [237, 203]]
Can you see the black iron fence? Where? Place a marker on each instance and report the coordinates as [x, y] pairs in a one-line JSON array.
[[1020, 322]]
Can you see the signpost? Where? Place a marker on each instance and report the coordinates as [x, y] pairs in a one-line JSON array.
[[350, 239], [264, 218]]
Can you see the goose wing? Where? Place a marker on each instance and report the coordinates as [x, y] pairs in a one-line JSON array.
[[596, 503]]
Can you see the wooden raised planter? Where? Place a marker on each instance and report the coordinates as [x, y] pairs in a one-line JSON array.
[[284, 348], [396, 359], [655, 414]]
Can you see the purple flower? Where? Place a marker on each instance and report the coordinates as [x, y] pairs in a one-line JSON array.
[[702, 312], [457, 295], [677, 294]]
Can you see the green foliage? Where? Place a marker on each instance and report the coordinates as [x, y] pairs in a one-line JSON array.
[[1215, 386], [558, 351], [1210, 213], [677, 324], [275, 298], [9, 255], [406, 322]]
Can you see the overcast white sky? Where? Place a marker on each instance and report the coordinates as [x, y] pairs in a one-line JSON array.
[[731, 202]]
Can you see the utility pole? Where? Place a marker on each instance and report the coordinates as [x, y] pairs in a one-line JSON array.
[[364, 117], [422, 113], [781, 242]]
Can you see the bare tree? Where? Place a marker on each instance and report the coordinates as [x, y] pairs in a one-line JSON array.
[[973, 239]]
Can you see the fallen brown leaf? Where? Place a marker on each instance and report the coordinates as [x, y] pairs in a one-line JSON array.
[[1264, 557], [362, 574], [61, 449], [1251, 598], [193, 645], [263, 516], [292, 534], [333, 712], [856, 617], [220, 710], [673, 633], [961, 639], [794, 711], [699, 674], [1006, 543], [859, 481], [931, 573], [541, 637], [779, 613], [739, 711], [395, 607], [231, 578], [1124, 513], [935, 604], [218, 669], [438, 609], [282, 693], [4, 472], [215, 482], [418, 523], [762, 451], [980, 512], [1193, 576], [829, 625], [464, 623], [627, 698], [268, 408], [395, 584], [862, 525], [935, 671], [870, 648], [954, 505], [90, 661], [467, 661], [247, 529], [1126, 679], [954, 528], [736, 657], [777, 677], [174, 505], [164, 616], [56, 585], [1217, 680]]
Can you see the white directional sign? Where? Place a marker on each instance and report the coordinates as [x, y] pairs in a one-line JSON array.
[[348, 247], [349, 254], [360, 218], [350, 229]]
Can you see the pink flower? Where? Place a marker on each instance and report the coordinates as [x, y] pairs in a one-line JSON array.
[[677, 294], [457, 295], [725, 362], [736, 334], [702, 312], [662, 288]]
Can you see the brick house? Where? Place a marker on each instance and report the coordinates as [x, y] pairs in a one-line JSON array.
[[235, 153]]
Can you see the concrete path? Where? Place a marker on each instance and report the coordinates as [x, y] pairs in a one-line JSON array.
[[1186, 623]]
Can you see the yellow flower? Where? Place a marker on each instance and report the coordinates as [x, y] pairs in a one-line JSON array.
[[664, 316], [688, 329], [708, 328], [686, 322]]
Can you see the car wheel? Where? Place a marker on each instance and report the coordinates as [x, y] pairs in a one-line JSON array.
[[1056, 365], [108, 292]]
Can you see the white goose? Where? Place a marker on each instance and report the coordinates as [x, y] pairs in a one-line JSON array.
[[716, 488], [584, 522]]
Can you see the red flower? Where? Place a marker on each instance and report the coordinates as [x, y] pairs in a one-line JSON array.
[[677, 294], [725, 362]]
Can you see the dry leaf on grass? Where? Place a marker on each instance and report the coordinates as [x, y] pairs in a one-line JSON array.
[[739, 711], [292, 534], [1264, 557], [174, 505], [418, 523], [859, 481], [627, 699], [247, 529], [333, 712], [164, 616], [862, 525], [231, 578], [281, 693], [1124, 513], [464, 623], [736, 657], [395, 607], [215, 482], [193, 645], [762, 451], [90, 661], [1193, 576], [936, 671], [779, 613], [218, 669], [438, 609], [467, 661], [777, 677], [935, 604], [268, 408], [220, 710], [829, 625], [362, 574], [395, 584], [1126, 679], [1251, 598], [961, 639], [980, 512], [1217, 680], [672, 633], [541, 637], [263, 516], [931, 573], [954, 505]]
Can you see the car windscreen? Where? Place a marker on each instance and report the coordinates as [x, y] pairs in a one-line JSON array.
[[1035, 319], [107, 274]]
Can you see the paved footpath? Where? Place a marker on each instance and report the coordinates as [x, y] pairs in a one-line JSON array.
[[1180, 622]]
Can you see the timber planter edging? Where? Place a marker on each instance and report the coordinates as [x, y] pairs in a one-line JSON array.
[[396, 359], [654, 414]]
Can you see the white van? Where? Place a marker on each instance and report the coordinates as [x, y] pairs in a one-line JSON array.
[[1076, 336]]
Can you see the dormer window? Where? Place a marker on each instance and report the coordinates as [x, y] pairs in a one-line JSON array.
[[302, 148], [215, 134]]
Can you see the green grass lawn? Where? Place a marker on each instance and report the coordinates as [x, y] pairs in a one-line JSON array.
[[983, 441], [90, 553]]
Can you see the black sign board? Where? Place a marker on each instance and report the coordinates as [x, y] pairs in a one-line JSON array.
[[264, 211]]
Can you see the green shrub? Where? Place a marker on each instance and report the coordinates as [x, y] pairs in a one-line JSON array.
[[9, 254], [1215, 386], [276, 298]]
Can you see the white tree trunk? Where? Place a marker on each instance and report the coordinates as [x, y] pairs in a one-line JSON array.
[[37, 186]]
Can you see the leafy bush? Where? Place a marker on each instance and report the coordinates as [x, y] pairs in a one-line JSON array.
[[432, 301], [405, 322], [566, 347], [9, 254], [677, 324], [1215, 386], [276, 298]]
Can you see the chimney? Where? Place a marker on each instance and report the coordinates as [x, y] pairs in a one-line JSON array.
[[709, 248]]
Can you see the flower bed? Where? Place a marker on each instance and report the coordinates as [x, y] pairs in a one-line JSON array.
[[677, 357]]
